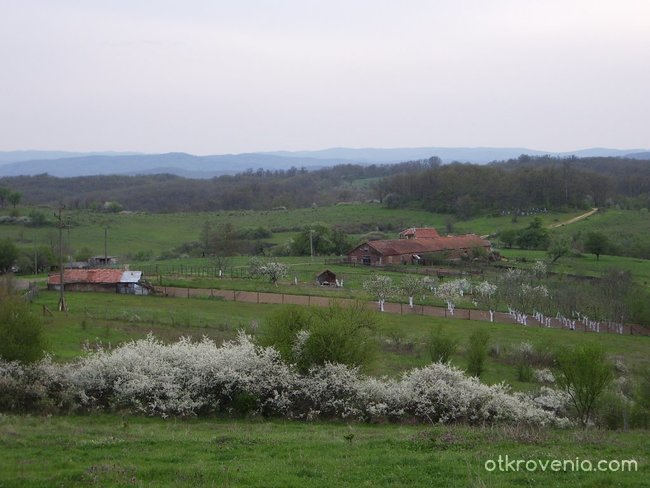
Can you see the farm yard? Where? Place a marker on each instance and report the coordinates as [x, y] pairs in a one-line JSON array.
[[218, 298]]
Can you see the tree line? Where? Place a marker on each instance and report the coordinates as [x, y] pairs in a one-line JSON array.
[[462, 189], [524, 184]]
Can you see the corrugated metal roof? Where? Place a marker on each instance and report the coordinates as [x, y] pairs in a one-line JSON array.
[[99, 276], [131, 276]]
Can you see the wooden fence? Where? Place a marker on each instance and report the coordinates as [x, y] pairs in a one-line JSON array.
[[389, 307]]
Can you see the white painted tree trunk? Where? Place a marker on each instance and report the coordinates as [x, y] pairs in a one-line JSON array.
[[381, 305], [491, 315], [411, 302]]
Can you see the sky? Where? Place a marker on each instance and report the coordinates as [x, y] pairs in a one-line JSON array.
[[217, 77]]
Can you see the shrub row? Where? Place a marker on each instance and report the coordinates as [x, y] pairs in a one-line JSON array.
[[239, 377]]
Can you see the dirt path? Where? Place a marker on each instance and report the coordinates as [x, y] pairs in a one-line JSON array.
[[574, 219]]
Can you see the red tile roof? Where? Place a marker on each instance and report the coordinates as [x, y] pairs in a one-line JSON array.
[[419, 233], [105, 276], [398, 247]]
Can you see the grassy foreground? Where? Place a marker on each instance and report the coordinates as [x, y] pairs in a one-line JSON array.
[[112, 319], [108, 450]]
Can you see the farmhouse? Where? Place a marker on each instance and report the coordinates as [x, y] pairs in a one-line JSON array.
[[108, 280], [413, 245], [419, 233]]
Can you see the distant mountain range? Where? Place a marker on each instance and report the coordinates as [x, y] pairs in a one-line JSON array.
[[67, 164]]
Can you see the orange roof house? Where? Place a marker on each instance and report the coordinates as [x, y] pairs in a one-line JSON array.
[[411, 249]]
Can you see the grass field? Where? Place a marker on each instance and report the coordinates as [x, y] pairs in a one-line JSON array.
[[110, 450], [129, 234], [116, 450], [626, 229], [585, 265], [112, 318]]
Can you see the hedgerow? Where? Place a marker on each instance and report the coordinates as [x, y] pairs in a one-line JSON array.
[[189, 378]]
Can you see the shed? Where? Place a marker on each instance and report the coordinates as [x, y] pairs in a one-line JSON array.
[[326, 278], [100, 280]]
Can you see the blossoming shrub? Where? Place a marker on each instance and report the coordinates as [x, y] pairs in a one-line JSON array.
[[193, 378]]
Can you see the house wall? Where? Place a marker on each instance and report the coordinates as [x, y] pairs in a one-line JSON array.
[[96, 287], [366, 255]]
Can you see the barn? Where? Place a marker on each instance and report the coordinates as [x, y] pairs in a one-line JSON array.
[[100, 280], [410, 250]]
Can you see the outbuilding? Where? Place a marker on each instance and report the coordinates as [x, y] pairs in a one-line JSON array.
[[100, 280], [326, 278], [413, 250]]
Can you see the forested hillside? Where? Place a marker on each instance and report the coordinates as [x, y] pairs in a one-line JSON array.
[[528, 182], [465, 190]]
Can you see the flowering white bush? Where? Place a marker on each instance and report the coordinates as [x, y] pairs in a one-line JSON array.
[[544, 376], [191, 378], [556, 401]]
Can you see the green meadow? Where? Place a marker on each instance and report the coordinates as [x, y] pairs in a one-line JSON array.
[[130, 233], [117, 451]]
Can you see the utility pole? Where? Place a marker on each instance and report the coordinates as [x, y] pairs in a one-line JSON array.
[[106, 245], [62, 305]]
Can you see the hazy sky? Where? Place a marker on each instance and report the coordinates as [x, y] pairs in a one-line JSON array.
[[212, 77]]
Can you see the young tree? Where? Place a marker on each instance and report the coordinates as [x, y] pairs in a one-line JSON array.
[[14, 198], [583, 373], [477, 352], [535, 236], [321, 239], [379, 286], [508, 237], [4, 194], [411, 286], [21, 332], [8, 255], [312, 336], [450, 292], [596, 243], [486, 294], [558, 247], [441, 346], [273, 270]]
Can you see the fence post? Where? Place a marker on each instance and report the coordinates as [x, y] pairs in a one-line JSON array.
[[469, 314], [188, 292], [258, 297]]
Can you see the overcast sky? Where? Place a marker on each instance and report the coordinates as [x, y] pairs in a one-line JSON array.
[[213, 77]]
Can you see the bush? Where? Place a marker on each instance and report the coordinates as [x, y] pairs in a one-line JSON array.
[[583, 373], [308, 337], [441, 347], [21, 332], [191, 378], [477, 352]]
